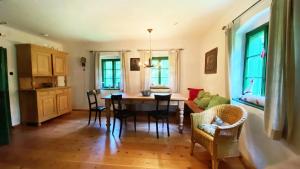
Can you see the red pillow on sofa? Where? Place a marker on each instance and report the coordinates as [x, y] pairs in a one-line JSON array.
[[193, 93]]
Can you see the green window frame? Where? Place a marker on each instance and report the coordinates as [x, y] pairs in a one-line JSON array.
[[160, 73], [255, 62], [111, 73]]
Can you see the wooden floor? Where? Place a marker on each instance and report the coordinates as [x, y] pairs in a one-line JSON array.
[[68, 143]]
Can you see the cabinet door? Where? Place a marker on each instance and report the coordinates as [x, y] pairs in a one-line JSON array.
[[70, 99], [41, 63], [62, 103], [47, 105], [59, 64]]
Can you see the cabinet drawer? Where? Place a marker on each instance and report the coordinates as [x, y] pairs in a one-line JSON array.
[[60, 91], [42, 93], [45, 93]]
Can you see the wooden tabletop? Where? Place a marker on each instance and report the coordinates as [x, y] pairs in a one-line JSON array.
[[138, 96]]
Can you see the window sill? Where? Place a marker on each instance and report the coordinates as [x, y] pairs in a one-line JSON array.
[[159, 87], [249, 104], [110, 89]]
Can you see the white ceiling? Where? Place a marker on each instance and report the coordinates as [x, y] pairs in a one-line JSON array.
[[112, 20]]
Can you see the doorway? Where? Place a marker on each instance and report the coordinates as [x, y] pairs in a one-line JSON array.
[[5, 117]]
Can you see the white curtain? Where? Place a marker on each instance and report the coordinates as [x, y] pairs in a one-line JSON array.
[[234, 52], [124, 71], [174, 70], [145, 73], [98, 72], [280, 80]]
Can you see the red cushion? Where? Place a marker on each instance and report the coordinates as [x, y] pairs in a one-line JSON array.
[[193, 93]]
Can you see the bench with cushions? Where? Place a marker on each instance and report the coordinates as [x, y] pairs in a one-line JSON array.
[[200, 100]]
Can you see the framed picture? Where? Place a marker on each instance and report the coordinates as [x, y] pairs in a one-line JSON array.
[[134, 64], [211, 61]]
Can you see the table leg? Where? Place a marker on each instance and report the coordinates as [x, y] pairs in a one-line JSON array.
[[107, 112], [181, 115]]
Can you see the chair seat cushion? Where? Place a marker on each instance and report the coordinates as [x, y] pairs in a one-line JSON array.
[[208, 128], [100, 108], [211, 128]]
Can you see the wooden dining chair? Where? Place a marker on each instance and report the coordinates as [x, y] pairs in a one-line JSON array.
[[162, 111], [94, 106], [121, 113]]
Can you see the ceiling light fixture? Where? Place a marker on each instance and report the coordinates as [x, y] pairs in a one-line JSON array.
[[149, 64]]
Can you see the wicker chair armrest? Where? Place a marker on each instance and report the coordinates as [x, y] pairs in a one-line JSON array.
[[228, 130]]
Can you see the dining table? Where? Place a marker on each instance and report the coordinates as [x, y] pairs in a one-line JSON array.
[[176, 100]]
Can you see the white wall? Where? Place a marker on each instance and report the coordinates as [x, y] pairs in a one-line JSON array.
[[12, 37], [190, 64], [255, 146]]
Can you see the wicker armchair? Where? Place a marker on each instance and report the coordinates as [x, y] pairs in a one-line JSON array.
[[224, 143]]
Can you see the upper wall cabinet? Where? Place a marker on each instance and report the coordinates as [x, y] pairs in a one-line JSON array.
[[41, 61], [59, 63], [35, 60]]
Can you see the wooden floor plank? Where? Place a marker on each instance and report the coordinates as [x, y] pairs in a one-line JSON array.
[[67, 142]]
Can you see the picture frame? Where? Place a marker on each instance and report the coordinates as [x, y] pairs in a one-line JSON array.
[[134, 64], [211, 61]]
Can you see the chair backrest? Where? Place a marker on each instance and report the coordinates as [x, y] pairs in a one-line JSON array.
[[230, 114], [234, 115], [92, 98], [116, 100], [162, 103], [97, 91]]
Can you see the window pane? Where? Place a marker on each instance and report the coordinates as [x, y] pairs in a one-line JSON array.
[[155, 81], [118, 74], [155, 72], [164, 81], [108, 83], [108, 65], [165, 73], [160, 75], [256, 44], [117, 83], [118, 64], [111, 72], [254, 67], [255, 85], [164, 63], [108, 73], [155, 61], [255, 62]]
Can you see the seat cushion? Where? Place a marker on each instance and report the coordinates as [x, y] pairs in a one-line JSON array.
[[203, 102], [101, 108], [218, 121], [202, 94], [217, 100], [193, 107], [193, 93], [208, 128], [211, 128]]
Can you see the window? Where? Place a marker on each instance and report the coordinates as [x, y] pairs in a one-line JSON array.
[[160, 73], [111, 73], [255, 61]]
